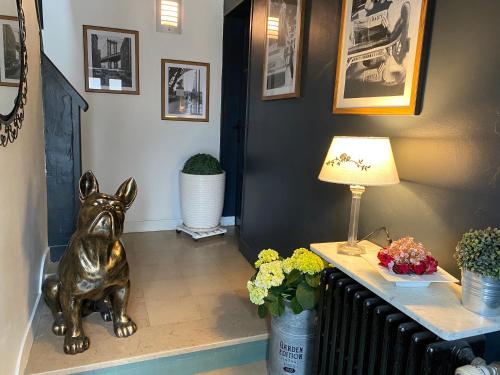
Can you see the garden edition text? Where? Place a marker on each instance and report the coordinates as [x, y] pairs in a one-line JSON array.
[[291, 353]]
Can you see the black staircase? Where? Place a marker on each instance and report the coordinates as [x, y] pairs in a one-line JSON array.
[[62, 105]]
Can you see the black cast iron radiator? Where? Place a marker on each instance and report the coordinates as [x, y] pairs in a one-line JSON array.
[[359, 333]]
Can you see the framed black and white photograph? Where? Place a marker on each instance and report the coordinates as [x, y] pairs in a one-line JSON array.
[[111, 60], [379, 56], [10, 51], [185, 90], [283, 49]]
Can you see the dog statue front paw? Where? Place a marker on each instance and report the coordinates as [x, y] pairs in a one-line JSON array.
[[75, 345], [59, 326], [125, 329]]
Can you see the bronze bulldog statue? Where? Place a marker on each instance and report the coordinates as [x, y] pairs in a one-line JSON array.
[[93, 274]]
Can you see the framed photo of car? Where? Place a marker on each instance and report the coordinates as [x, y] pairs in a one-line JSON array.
[[111, 60], [185, 90], [379, 55], [283, 49], [10, 55]]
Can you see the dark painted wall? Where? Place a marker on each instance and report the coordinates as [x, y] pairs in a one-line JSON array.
[[234, 104], [448, 157]]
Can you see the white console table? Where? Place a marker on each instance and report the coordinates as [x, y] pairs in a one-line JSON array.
[[437, 307]]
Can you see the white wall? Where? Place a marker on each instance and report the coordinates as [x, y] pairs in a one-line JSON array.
[[23, 218], [123, 135]]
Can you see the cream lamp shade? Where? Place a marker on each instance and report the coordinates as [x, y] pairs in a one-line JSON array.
[[358, 162], [365, 161]]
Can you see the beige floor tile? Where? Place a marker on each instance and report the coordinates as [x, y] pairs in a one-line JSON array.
[[183, 309], [196, 255], [198, 267], [136, 292], [236, 265], [139, 313], [208, 284], [151, 257], [185, 296], [164, 289], [157, 271], [239, 278], [223, 304]]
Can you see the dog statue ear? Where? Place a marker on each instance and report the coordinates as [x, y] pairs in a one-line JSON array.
[[127, 192], [88, 185]]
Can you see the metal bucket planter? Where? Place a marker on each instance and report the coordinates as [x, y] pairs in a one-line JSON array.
[[291, 347], [480, 294]]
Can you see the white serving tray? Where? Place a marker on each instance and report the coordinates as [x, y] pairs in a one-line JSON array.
[[409, 281], [201, 233]]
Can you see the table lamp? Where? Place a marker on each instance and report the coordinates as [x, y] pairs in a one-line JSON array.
[[358, 162]]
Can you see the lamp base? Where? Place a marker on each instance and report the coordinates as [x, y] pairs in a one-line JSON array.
[[351, 249]]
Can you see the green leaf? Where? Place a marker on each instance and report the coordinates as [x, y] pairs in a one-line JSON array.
[[278, 289], [295, 305], [271, 298], [273, 308], [313, 280], [281, 306], [262, 311], [293, 277], [307, 296]]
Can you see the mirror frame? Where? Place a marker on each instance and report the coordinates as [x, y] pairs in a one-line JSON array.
[[11, 123]]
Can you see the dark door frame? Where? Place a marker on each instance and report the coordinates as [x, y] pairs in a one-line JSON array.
[[246, 115]]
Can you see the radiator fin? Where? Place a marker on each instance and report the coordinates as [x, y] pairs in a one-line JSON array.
[[361, 334]]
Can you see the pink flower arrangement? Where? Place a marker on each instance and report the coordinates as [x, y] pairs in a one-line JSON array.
[[405, 256]]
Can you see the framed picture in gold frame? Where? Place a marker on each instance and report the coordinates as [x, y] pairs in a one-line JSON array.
[[185, 90], [283, 49], [111, 60], [379, 56]]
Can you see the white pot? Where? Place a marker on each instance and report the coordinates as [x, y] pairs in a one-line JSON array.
[[202, 200]]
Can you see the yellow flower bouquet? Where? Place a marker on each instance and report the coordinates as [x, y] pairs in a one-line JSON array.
[[279, 281]]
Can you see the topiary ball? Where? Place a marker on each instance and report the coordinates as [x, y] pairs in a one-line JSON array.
[[479, 251], [202, 164]]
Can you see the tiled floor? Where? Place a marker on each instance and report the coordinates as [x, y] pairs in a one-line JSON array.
[[186, 296]]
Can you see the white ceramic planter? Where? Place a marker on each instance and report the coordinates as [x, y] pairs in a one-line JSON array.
[[202, 200]]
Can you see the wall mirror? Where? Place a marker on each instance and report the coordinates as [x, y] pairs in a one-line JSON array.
[[13, 69]]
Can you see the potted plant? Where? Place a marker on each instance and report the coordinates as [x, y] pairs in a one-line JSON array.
[[202, 183], [478, 255], [288, 289]]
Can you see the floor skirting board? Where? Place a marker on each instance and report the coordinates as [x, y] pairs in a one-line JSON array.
[[29, 333], [164, 224]]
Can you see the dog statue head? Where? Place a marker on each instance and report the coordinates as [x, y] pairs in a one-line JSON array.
[[102, 214]]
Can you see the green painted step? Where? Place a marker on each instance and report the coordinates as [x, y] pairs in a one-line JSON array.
[[193, 363], [254, 368]]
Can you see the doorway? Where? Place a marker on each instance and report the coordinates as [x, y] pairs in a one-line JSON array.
[[235, 68]]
